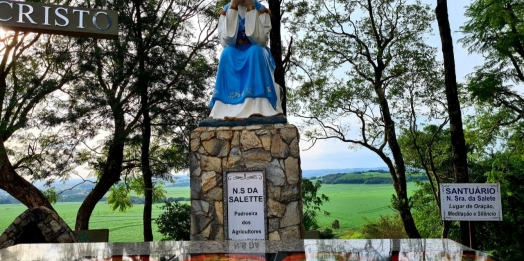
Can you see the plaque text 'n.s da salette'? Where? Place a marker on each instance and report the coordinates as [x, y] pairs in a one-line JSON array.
[[245, 205]]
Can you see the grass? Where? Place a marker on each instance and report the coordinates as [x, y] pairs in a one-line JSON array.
[[123, 227], [176, 192], [349, 203]]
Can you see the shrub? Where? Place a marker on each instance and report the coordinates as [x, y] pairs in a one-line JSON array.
[[310, 221], [327, 234], [312, 202], [385, 227], [175, 222]]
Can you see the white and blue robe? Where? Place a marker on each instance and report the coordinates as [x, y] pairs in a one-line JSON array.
[[245, 83]]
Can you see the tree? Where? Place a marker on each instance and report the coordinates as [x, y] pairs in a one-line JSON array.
[[426, 212], [383, 43], [275, 41], [505, 167], [119, 198], [160, 66], [32, 67], [458, 142], [429, 150], [311, 202], [495, 29], [103, 99], [145, 80]]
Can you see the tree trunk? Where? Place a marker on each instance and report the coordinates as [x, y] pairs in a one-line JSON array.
[[458, 142], [142, 85], [445, 229], [110, 176], [147, 175], [144, 158], [17, 186], [398, 173], [275, 40]]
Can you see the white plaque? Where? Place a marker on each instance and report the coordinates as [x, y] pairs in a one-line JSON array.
[[470, 202], [245, 205]]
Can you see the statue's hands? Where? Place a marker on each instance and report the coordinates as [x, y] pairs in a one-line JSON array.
[[248, 3], [245, 3], [237, 2]]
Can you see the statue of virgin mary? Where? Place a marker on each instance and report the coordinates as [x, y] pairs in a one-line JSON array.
[[245, 85]]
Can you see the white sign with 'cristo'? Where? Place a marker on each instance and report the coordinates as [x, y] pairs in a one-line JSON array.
[[58, 19], [245, 205]]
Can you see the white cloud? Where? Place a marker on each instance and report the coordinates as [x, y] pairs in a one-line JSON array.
[[334, 154]]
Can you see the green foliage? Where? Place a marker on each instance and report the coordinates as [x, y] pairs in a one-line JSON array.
[[220, 4], [427, 214], [327, 234], [385, 227], [175, 222], [364, 64], [165, 157], [369, 46], [119, 198], [51, 195], [120, 194], [137, 185], [158, 51], [33, 68], [397, 203], [495, 29], [505, 168], [429, 150], [50, 155], [310, 221], [311, 202]]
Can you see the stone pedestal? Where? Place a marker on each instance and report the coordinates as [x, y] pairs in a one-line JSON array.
[[269, 149], [37, 225]]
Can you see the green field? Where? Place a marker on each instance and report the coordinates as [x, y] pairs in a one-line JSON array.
[[123, 227], [349, 203]]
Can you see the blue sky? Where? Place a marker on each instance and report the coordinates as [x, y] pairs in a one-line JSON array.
[[334, 154]]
